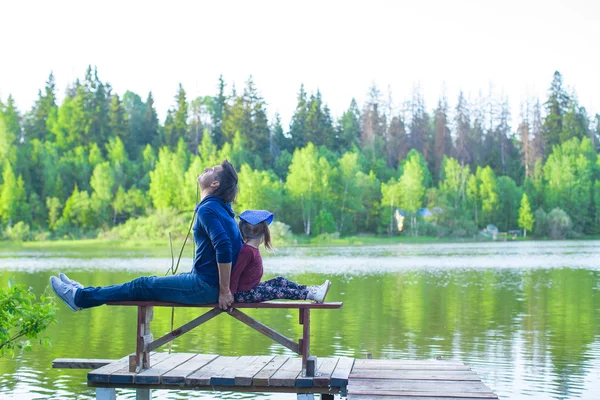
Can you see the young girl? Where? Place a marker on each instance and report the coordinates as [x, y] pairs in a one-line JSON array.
[[245, 277]]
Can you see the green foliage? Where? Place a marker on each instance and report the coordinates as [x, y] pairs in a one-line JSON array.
[[23, 319], [19, 232], [124, 164], [526, 219]]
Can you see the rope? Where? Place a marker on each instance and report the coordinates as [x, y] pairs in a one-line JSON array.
[[174, 267]]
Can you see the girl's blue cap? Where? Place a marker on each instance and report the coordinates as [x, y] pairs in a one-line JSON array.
[[255, 217]]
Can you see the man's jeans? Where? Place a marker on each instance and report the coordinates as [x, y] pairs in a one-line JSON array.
[[187, 288]]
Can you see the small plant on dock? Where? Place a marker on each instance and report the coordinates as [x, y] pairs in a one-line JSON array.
[[23, 318]]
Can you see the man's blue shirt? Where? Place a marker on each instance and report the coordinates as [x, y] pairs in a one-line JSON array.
[[217, 237]]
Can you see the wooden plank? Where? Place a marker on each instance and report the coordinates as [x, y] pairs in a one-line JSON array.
[[203, 376], [184, 329], [153, 374], [425, 395], [125, 376], [102, 374], [265, 330], [287, 374], [244, 377], [440, 387], [412, 367], [414, 374], [266, 304], [307, 381], [339, 377], [263, 376], [226, 377], [177, 375], [81, 363], [378, 363], [402, 397], [323, 377]]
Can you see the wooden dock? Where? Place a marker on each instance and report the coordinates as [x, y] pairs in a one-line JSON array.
[[415, 380], [359, 379]]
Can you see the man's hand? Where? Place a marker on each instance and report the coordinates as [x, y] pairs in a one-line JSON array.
[[225, 300]]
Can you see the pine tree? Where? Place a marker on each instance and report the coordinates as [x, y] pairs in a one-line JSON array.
[[348, 127], [37, 119], [556, 106], [464, 152], [397, 144], [526, 219], [218, 112], [526, 142], [538, 143], [298, 121], [180, 118], [118, 122], [150, 125], [134, 110], [442, 139], [372, 127]]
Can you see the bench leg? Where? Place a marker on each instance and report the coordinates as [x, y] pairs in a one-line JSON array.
[[106, 394], [143, 394], [144, 337], [309, 364]]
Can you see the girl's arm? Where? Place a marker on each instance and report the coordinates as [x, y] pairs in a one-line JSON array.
[[243, 260]]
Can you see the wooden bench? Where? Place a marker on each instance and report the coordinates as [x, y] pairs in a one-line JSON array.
[[145, 342]]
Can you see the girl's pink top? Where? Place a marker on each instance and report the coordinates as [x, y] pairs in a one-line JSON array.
[[248, 270]]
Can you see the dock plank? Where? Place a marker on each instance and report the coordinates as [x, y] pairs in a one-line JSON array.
[[287, 374], [339, 377], [307, 381], [438, 388], [263, 376], [402, 397], [102, 374], [203, 376], [409, 364], [245, 376], [177, 375], [81, 363], [414, 374], [153, 374], [324, 372], [226, 377], [123, 375]]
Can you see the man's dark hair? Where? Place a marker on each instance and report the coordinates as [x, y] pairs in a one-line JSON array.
[[228, 183]]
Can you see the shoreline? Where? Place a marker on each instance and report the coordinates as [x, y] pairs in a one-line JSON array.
[[298, 241]]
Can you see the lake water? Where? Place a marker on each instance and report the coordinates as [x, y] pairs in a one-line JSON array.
[[524, 315]]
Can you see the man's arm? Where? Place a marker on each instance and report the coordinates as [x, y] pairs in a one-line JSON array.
[[225, 296], [222, 244]]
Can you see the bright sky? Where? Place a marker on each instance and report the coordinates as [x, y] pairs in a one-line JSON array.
[[340, 47]]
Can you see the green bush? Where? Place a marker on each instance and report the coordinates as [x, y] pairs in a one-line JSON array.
[[154, 226], [19, 232], [23, 319], [560, 224], [280, 233]]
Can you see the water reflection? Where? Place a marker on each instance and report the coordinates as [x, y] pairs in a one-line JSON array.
[[524, 316]]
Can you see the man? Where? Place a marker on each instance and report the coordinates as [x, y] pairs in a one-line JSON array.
[[218, 242]]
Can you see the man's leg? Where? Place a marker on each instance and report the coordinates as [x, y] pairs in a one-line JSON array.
[[185, 288]]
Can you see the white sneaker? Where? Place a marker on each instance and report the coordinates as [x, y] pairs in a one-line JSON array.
[[66, 279], [66, 292], [318, 293]]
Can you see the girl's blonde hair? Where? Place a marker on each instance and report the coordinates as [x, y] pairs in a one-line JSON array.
[[250, 231]]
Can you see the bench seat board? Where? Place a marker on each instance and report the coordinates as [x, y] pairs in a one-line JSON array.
[[266, 304]]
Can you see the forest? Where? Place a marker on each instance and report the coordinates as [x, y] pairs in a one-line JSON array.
[[101, 165]]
